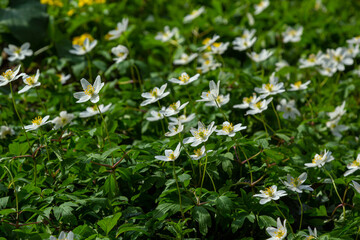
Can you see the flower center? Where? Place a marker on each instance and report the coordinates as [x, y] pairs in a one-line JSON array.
[[297, 84], [295, 182], [17, 51], [37, 121], [173, 106], [8, 74], [193, 13], [30, 80], [317, 158], [81, 39], [184, 77], [206, 41], [312, 58], [228, 128], [258, 105], [338, 58], [355, 164], [279, 233], [269, 191], [171, 156], [154, 93], [269, 87], [201, 133], [216, 44], [310, 237], [198, 152], [292, 33], [120, 54], [89, 90]]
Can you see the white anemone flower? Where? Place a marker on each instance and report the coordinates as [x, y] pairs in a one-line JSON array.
[[356, 186], [174, 108], [296, 184], [156, 115], [270, 193], [354, 40], [5, 130], [9, 76], [245, 41], [354, 166], [36, 123], [154, 95], [174, 129], [212, 94], [219, 101], [18, 53], [341, 57], [271, 88], [167, 34], [208, 65], [259, 106], [120, 28], [185, 79], [64, 236], [312, 60], [280, 65], [312, 234], [279, 232], [194, 14], [121, 52], [200, 135], [328, 68], [90, 92], [229, 129], [336, 128], [64, 119], [259, 57], [199, 153], [85, 48], [292, 35], [207, 42], [219, 48], [30, 81], [247, 101], [62, 78], [338, 112], [299, 86], [288, 108], [319, 160], [182, 119], [170, 155], [185, 59], [261, 6], [94, 110], [353, 50]]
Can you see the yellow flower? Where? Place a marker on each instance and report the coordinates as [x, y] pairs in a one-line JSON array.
[[57, 3]]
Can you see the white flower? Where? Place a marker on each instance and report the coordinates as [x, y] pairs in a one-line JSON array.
[[182, 119], [261, 6], [247, 101], [90, 92], [279, 232], [36, 123], [200, 135], [353, 50], [174, 129], [356, 186], [64, 236], [312, 234], [320, 160], [207, 42], [341, 57], [292, 35], [270, 193], [336, 128], [63, 78], [354, 40], [259, 106], [271, 88], [185, 59], [5, 130], [120, 28], [212, 94], [299, 86], [219, 48], [288, 108], [262, 56], [219, 101], [328, 68], [170, 155], [250, 19], [121, 52], [207, 65], [173, 109], [199, 153], [354, 166], [230, 130], [185, 79], [167, 34], [194, 14], [338, 112], [295, 184], [85, 48], [92, 111], [154, 95], [65, 118], [281, 64], [9, 76], [312, 60], [30, 81], [246, 40], [156, 115], [18, 53]]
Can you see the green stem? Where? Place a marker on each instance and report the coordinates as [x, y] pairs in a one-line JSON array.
[[107, 133], [187, 153], [203, 177], [138, 76], [212, 181], [42, 103], [15, 192], [282, 214], [89, 66], [178, 188], [276, 114], [302, 211], [337, 193], [161, 120], [225, 118], [247, 160], [17, 113]]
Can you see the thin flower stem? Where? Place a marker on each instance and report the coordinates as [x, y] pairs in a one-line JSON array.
[[262, 120], [15, 192], [178, 188], [17, 113], [212, 181], [187, 153], [89, 66], [203, 177], [161, 120], [41, 101], [276, 114], [337, 193], [282, 214], [138, 76], [107, 133], [247, 160], [217, 104], [46, 146], [302, 211]]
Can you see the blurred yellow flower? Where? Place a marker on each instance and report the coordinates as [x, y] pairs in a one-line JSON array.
[[90, 2], [70, 12], [57, 3]]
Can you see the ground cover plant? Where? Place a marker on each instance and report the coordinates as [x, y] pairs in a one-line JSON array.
[[179, 119]]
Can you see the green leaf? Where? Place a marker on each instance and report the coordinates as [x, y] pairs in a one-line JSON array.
[[202, 216], [224, 204], [266, 221], [108, 223], [130, 227]]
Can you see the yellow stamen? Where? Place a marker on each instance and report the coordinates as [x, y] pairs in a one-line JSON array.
[[37, 121], [184, 77], [89, 90]]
